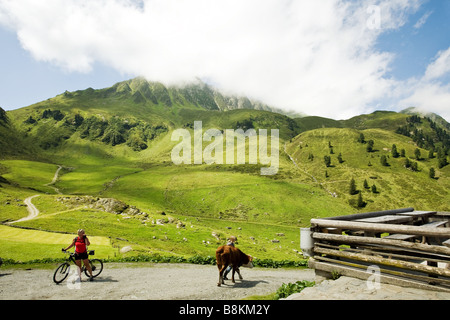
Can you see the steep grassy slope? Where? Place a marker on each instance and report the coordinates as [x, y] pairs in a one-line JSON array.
[[13, 143], [396, 185], [212, 202]]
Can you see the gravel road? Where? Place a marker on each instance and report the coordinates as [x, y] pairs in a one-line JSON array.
[[33, 212], [149, 281], [192, 282]]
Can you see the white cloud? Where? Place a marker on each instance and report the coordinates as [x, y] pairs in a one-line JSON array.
[[423, 20], [429, 93], [430, 97], [317, 57], [440, 66]]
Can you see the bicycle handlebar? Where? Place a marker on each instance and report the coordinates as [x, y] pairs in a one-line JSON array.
[[89, 252]]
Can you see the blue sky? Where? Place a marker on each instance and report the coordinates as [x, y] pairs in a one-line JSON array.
[[414, 45], [25, 81], [301, 56]]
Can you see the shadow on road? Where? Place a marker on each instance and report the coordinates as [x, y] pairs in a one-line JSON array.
[[244, 283], [105, 279]]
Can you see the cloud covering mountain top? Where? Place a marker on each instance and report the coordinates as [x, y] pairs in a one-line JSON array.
[[316, 57]]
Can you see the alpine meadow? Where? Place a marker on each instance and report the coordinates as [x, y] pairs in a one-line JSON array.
[[100, 159]]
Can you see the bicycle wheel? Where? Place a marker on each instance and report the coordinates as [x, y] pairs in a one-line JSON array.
[[97, 267], [61, 272]]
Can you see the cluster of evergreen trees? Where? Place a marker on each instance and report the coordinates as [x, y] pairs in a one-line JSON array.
[[441, 155], [353, 190], [436, 139], [136, 134]]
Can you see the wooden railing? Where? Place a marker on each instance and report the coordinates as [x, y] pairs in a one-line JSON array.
[[408, 247]]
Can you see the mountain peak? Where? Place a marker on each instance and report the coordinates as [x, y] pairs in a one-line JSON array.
[[425, 113], [197, 94]]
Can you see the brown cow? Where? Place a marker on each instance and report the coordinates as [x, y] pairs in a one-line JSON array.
[[228, 255]]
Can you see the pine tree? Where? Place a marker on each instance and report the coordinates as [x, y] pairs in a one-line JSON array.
[[442, 158], [369, 147], [327, 160], [417, 153], [432, 173], [366, 184], [374, 189], [361, 202], [407, 163], [442, 162], [394, 151], [352, 189], [361, 138], [383, 161], [431, 154], [403, 153], [340, 158]]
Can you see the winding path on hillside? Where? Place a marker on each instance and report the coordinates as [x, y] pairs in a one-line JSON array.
[[55, 178], [33, 212], [309, 174]]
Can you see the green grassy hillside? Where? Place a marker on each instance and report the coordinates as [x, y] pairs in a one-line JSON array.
[[396, 185], [118, 182], [209, 202]]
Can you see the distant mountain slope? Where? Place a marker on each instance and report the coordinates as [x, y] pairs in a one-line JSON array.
[[135, 112], [433, 116], [150, 97], [314, 122], [198, 94], [388, 120]]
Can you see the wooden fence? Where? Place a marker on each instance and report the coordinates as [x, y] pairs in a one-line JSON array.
[[406, 247]]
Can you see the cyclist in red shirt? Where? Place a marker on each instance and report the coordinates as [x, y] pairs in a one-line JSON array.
[[81, 243]]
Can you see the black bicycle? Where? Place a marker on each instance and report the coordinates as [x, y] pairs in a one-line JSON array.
[[63, 269]]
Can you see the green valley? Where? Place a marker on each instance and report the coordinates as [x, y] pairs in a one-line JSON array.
[[117, 180]]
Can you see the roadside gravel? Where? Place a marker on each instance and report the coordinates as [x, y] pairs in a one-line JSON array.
[[346, 288]]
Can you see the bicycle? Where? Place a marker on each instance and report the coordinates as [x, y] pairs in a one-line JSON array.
[[63, 269]]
